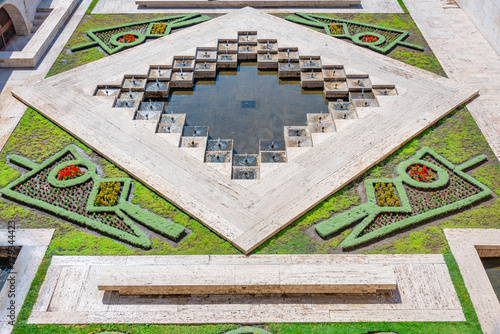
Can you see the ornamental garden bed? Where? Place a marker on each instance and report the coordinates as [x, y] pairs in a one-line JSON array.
[[377, 38], [67, 185], [427, 186]]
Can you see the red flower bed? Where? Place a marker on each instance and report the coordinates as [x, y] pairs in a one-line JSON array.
[[70, 172], [421, 173], [129, 38], [369, 38]]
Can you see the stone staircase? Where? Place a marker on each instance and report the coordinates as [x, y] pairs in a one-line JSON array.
[[41, 14]]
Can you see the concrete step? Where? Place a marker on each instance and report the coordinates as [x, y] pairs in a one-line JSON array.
[[38, 22], [43, 9], [41, 15]]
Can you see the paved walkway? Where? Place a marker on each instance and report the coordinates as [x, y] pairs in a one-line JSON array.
[[466, 56], [468, 246], [69, 294], [129, 6], [11, 109]]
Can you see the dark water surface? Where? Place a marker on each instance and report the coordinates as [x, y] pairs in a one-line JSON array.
[[246, 105], [492, 267]]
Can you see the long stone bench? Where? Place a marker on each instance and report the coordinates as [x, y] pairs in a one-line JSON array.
[[244, 3], [247, 279]]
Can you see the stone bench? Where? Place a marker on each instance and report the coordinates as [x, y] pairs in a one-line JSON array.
[[247, 279], [243, 3]]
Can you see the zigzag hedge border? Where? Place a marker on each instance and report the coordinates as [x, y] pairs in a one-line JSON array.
[[366, 213], [315, 21], [176, 21], [123, 209]]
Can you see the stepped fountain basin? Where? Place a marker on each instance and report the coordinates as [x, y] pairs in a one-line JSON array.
[[205, 70], [156, 89], [181, 79], [134, 83], [220, 145], [311, 79], [247, 52], [107, 91], [334, 73], [272, 156], [218, 156], [335, 89], [184, 62], [288, 70], [308, 63], [206, 54], [267, 45], [357, 83], [162, 72]]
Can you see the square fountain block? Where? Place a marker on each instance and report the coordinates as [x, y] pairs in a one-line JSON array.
[[181, 80], [158, 89], [184, 62], [172, 119], [165, 127], [205, 69], [229, 60], [225, 145], [247, 52], [314, 81], [299, 142], [296, 131], [218, 157], [147, 115], [265, 61], [356, 83], [319, 117], [263, 46], [384, 90], [272, 156], [334, 73], [136, 83], [288, 53], [247, 37], [130, 95], [153, 106], [164, 72], [366, 99], [310, 62], [245, 160], [107, 91], [272, 145], [288, 70], [206, 54], [245, 173], [334, 89], [322, 127], [339, 109], [194, 143], [231, 45], [195, 131], [127, 103]]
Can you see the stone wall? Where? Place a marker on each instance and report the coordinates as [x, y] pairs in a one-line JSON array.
[[22, 13], [485, 14]]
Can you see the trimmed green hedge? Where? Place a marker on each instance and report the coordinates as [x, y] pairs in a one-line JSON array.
[[366, 213], [177, 21], [123, 209], [324, 22], [248, 330]]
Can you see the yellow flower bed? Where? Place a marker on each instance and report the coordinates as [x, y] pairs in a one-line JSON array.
[[108, 194]]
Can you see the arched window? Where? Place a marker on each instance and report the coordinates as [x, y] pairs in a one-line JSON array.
[[7, 31]]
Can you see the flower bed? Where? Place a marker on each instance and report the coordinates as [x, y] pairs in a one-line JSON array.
[[108, 194], [158, 28], [386, 194], [421, 173], [128, 38], [80, 200], [335, 29], [69, 173], [369, 38], [377, 38], [423, 197]]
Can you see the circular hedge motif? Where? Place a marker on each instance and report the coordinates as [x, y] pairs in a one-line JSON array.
[[129, 38], [368, 38]]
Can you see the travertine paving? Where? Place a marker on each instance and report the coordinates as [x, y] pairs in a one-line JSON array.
[[34, 243], [468, 245], [466, 56], [69, 294], [129, 6], [246, 214], [11, 109]]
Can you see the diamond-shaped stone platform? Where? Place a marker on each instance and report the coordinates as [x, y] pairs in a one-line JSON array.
[[244, 212]]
